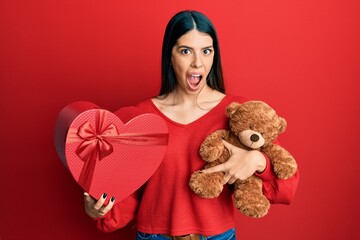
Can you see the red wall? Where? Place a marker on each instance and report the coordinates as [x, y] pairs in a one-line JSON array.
[[302, 57]]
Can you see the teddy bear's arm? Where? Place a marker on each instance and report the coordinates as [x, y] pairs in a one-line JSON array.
[[283, 163], [213, 148]]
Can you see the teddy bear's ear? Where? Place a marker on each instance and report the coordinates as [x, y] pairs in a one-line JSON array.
[[232, 108], [283, 125]]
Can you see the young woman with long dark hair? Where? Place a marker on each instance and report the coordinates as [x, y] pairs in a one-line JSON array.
[[192, 102]]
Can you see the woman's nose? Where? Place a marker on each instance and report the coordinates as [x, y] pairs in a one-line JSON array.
[[197, 63]]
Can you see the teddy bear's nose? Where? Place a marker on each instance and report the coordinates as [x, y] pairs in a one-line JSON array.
[[254, 137]]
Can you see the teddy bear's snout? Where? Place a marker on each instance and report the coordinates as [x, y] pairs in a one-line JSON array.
[[254, 137], [251, 139]]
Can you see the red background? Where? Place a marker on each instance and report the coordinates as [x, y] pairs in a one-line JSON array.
[[302, 57]]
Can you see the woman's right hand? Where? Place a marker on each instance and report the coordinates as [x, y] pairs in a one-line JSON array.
[[97, 209]]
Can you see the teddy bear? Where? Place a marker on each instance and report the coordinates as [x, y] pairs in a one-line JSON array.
[[253, 125]]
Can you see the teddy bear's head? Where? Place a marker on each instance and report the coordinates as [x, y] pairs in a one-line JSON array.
[[255, 123]]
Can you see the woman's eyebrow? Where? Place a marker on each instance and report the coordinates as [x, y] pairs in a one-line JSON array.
[[184, 46]]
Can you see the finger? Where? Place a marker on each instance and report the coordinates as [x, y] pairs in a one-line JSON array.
[[109, 206], [226, 179], [228, 145], [217, 168], [231, 180], [88, 198], [100, 202]]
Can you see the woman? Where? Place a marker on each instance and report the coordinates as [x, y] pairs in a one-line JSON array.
[[192, 102]]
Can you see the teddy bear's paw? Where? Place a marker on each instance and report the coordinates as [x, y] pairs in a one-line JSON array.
[[255, 207], [285, 169], [206, 185]]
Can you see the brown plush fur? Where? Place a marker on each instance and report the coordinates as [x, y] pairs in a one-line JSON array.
[[245, 121]]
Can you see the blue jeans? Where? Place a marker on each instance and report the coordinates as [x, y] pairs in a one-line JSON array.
[[228, 235]]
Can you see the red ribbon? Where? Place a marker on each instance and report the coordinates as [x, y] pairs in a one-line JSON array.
[[96, 143]]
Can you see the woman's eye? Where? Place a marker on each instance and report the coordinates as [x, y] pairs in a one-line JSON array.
[[185, 51], [207, 51]]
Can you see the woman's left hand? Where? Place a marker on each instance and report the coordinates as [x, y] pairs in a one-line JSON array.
[[241, 164]]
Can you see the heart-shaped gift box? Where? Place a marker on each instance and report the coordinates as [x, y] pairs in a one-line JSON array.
[[106, 155]]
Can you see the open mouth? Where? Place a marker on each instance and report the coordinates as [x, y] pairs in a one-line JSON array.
[[194, 80]]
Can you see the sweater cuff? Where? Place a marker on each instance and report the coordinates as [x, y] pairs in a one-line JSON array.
[[268, 173], [106, 216]]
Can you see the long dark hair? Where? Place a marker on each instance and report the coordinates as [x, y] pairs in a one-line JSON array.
[[178, 25]]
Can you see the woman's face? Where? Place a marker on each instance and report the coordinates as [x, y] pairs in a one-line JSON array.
[[192, 58]]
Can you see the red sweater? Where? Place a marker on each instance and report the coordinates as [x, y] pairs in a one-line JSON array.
[[166, 204]]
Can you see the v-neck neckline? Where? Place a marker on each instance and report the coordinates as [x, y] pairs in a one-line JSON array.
[[192, 122]]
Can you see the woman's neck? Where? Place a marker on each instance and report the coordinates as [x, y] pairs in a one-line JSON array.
[[179, 97], [184, 108]]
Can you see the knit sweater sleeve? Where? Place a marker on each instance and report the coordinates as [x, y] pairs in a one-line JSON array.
[[120, 215], [275, 189]]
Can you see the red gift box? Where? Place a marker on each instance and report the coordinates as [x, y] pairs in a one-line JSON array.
[[105, 155]]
